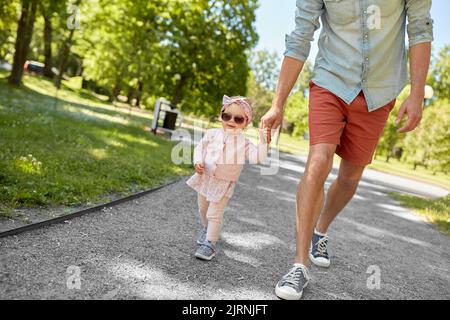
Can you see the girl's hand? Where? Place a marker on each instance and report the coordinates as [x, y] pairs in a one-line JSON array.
[[272, 120], [265, 135], [199, 168]]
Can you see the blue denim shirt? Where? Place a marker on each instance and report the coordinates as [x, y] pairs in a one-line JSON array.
[[361, 45]]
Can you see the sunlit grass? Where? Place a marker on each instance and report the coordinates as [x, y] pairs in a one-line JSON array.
[[437, 211], [406, 170], [74, 152]]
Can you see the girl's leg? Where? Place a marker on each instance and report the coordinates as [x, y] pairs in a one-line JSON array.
[[203, 209], [214, 216]]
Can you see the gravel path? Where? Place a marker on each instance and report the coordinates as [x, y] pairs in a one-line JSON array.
[[144, 249]]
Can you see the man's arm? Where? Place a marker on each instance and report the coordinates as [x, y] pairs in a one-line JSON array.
[[419, 63], [298, 46], [420, 33], [290, 70]]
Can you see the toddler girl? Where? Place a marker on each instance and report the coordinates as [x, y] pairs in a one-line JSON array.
[[218, 161]]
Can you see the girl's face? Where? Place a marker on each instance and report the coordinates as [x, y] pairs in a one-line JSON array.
[[236, 114]]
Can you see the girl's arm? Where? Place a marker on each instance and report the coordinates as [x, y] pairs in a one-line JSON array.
[[200, 148], [257, 154]]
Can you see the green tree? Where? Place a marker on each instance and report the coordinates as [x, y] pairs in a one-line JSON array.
[[439, 77], [72, 23], [124, 54], [390, 139], [8, 20], [304, 79], [260, 97], [23, 39], [206, 43], [49, 9], [296, 111], [296, 114], [429, 144], [262, 81], [264, 65]]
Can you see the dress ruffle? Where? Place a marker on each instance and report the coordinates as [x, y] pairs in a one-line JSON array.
[[212, 188]]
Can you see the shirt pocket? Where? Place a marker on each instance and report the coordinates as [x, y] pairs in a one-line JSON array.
[[341, 11], [386, 7]]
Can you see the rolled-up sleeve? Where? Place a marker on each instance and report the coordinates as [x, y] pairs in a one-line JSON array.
[[298, 43], [420, 24]]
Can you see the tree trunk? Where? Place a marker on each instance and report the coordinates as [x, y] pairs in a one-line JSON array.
[[64, 54], [23, 39], [139, 93], [48, 46], [178, 92], [130, 95], [116, 91], [65, 50]]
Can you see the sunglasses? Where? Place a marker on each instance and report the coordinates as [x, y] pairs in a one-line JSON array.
[[237, 119]]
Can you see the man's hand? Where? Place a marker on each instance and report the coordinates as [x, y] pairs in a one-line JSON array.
[[412, 107], [199, 168], [272, 120]]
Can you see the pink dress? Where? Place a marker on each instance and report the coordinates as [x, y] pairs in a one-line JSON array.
[[210, 187], [210, 151]]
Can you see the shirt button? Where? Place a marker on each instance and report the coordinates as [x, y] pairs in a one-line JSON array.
[[365, 11], [366, 36]]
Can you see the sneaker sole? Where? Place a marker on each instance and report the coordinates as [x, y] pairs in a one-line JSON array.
[[288, 296], [320, 263], [202, 257]]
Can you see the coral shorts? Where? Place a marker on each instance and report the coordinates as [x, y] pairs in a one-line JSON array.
[[351, 127]]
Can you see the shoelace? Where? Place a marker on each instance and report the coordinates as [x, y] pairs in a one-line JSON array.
[[322, 246], [207, 247], [295, 274]]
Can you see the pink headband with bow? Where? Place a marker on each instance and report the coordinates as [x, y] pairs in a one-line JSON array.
[[240, 101]]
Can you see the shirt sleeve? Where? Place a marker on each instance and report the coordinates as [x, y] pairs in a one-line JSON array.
[[200, 148], [256, 154], [298, 43], [420, 24]]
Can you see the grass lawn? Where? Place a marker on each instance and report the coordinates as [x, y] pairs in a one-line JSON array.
[[405, 170], [78, 151], [437, 211]]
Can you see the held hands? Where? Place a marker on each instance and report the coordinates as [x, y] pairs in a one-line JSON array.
[[199, 168], [264, 135], [412, 106], [271, 120]]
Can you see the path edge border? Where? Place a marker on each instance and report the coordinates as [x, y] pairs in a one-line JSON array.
[[76, 214]]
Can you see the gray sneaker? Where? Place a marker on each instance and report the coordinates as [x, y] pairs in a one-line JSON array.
[[201, 236], [206, 251], [291, 286], [319, 253]]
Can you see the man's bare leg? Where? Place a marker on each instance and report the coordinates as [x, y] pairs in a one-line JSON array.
[[340, 193], [310, 196]]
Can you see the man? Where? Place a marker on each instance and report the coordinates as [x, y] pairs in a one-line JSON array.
[[359, 71]]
